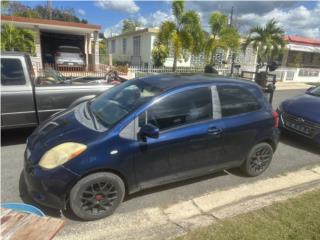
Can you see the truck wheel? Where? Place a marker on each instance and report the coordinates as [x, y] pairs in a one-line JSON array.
[[258, 160], [96, 196]]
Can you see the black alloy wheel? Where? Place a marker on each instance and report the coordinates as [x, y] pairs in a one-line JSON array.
[[258, 160], [97, 195]]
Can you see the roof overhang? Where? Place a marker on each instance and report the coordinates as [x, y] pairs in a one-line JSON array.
[[303, 48], [51, 25]]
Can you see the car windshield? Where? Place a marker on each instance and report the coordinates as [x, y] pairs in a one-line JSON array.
[[116, 103], [315, 91]]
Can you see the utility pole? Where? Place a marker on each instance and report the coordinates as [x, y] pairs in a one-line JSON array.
[[231, 17], [49, 6], [233, 54]]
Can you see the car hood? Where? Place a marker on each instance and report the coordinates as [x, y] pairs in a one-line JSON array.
[[61, 128], [305, 106]]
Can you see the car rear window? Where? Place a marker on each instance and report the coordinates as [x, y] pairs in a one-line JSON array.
[[12, 72], [236, 100]]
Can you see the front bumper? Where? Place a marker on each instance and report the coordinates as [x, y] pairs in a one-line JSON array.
[[48, 187], [313, 129]]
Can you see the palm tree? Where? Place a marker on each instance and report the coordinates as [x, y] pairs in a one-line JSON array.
[[268, 41], [184, 35], [222, 36], [17, 39]]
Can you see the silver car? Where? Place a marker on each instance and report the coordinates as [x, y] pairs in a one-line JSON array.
[[69, 56]]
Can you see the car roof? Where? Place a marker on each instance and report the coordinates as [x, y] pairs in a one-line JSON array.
[[170, 81]]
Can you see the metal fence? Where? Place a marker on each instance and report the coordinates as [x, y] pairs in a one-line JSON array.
[[139, 71]]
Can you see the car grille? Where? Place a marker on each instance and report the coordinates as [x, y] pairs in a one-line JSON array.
[[300, 125]]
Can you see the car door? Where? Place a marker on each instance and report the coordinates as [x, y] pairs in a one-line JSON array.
[[240, 110], [17, 102], [189, 142]]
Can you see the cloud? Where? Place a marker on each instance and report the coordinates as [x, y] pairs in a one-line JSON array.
[[296, 21], [152, 20], [240, 7], [120, 5], [294, 17], [81, 12]]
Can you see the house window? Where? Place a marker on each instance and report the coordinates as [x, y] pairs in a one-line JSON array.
[[124, 46], [113, 46], [136, 46]]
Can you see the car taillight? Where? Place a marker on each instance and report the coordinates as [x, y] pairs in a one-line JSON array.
[[58, 54], [275, 116]]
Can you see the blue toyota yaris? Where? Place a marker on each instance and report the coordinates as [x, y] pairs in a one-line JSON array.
[[147, 132], [301, 115]]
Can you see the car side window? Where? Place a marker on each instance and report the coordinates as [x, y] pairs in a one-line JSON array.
[[12, 72], [182, 108], [236, 100]]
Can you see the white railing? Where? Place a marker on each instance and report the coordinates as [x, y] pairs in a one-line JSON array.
[[140, 71]]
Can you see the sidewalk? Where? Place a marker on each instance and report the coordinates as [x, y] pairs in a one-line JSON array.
[[178, 219], [291, 85]]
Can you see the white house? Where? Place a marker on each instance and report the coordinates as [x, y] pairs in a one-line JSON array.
[[135, 48]]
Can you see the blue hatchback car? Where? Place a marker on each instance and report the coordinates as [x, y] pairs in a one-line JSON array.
[[301, 115], [147, 132]]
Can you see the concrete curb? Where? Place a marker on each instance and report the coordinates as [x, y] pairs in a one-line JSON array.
[[179, 218]]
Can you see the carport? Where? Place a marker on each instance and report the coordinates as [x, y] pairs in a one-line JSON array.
[[52, 33]]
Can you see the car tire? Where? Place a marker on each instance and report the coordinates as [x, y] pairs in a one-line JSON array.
[[258, 160], [96, 196]]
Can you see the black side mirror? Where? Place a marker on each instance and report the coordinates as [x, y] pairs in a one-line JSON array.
[[149, 131]]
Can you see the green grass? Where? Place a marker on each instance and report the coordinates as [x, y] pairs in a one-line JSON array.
[[297, 218], [314, 84]]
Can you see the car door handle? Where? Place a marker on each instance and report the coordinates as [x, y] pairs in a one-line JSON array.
[[214, 131]]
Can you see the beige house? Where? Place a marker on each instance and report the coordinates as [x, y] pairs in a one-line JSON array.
[[50, 34]]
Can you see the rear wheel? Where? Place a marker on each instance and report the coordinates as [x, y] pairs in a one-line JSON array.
[[97, 196], [258, 160]]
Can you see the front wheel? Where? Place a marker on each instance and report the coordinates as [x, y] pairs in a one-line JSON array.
[[97, 196], [258, 160]]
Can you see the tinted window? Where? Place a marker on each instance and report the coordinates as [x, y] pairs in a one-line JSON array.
[[182, 108], [236, 100], [12, 72], [119, 101]]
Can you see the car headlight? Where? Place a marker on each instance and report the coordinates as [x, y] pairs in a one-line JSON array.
[[60, 154]]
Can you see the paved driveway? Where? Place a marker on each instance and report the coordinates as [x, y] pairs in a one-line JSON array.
[[293, 153]]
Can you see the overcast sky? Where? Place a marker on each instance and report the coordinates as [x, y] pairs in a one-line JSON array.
[[296, 17]]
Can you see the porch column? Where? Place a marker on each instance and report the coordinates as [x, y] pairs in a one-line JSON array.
[[38, 57], [285, 58], [86, 49], [95, 50]]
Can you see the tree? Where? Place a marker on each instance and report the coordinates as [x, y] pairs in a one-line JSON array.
[[17, 39], [129, 25], [182, 36], [268, 41], [159, 54], [222, 36], [41, 11]]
